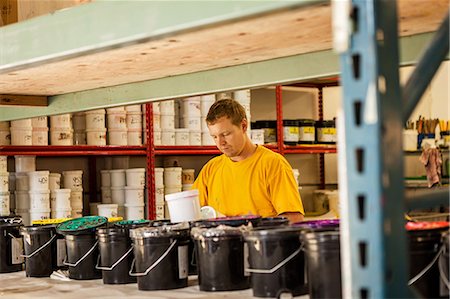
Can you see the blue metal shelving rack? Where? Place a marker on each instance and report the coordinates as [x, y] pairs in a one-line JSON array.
[[373, 242]]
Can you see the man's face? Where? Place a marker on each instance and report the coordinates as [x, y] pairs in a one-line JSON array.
[[229, 139]]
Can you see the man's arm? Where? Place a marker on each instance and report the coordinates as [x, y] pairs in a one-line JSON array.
[[293, 216]]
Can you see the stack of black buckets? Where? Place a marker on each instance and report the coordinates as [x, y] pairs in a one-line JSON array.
[[270, 256]]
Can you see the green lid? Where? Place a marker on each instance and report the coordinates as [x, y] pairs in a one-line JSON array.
[[81, 225]]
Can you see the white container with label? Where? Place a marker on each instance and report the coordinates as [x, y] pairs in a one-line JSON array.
[[61, 136], [39, 200], [159, 195], [73, 180], [96, 136], [117, 120], [182, 137], [168, 137], [3, 164], [207, 139], [172, 189], [135, 177], [4, 203], [21, 136], [191, 106], [156, 122], [159, 177], [167, 107], [193, 123], [206, 102], [118, 195], [134, 195], [187, 176], [39, 122], [257, 136], [39, 136], [54, 181], [95, 119], [195, 137], [61, 121], [134, 212], [61, 214], [60, 199], [107, 210], [134, 137], [134, 120], [106, 194], [157, 137], [38, 180], [21, 123], [183, 206], [118, 177], [410, 140], [118, 136], [167, 122], [76, 200], [133, 108], [4, 181], [39, 214], [172, 176]]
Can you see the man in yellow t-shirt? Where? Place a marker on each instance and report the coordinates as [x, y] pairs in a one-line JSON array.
[[246, 178]]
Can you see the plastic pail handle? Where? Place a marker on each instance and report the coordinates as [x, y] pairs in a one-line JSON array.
[[40, 248], [150, 268], [82, 258], [115, 264]]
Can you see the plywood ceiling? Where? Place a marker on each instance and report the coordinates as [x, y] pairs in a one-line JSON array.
[[278, 35]]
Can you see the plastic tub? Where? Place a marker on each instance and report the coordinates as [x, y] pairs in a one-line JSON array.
[[5, 137], [76, 199], [192, 122], [206, 102], [106, 195], [21, 123], [195, 138], [167, 122], [326, 132], [21, 136], [22, 200], [410, 140], [95, 119], [38, 180], [61, 136], [182, 137], [39, 214], [187, 176], [54, 181], [61, 121], [117, 177], [172, 176], [4, 181], [159, 177], [39, 136], [73, 180], [118, 195], [134, 137], [96, 136], [107, 210], [134, 211], [4, 203], [61, 214], [60, 199], [290, 131], [183, 206], [207, 139], [134, 195], [172, 189], [39, 200], [168, 137], [306, 131], [39, 122], [257, 136], [167, 107], [159, 195], [105, 178], [117, 120], [25, 163], [191, 106], [117, 136], [134, 120]]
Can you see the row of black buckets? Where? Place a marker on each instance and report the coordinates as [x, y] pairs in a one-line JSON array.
[[269, 256]]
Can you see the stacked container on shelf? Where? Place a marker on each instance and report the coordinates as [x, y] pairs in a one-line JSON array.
[[187, 178], [21, 132], [159, 193], [73, 180], [134, 124], [61, 131], [95, 127], [118, 182], [23, 164], [189, 122], [39, 130], [244, 98], [4, 187], [134, 193], [5, 133], [206, 102], [172, 183], [156, 118], [167, 119], [59, 198], [117, 126]]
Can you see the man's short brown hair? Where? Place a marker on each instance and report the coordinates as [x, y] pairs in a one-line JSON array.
[[229, 108]]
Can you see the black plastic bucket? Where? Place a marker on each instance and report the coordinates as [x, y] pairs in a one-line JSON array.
[[322, 252], [116, 255], [272, 222], [424, 250], [11, 245], [161, 257], [39, 245], [220, 258], [444, 266], [234, 221], [277, 263]]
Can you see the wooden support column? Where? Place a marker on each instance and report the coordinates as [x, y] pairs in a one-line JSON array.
[[22, 100]]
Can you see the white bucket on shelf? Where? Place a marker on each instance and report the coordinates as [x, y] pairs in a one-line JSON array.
[[117, 120], [117, 109], [167, 107], [73, 180], [22, 199], [61, 214], [118, 178], [134, 195], [79, 121], [39, 136], [118, 195], [79, 137], [61, 121], [242, 96], [4, 181], [107, 210], [182, 137], [61, 136], [21, 123], [172, 176], [195, 137], [105, 178], [4, 203], [191, 106], [96, 136], [134, 212], [95, 119], [39, 122], [187, 176], [118, 136], [76, 199], [167, 122], [106, 195], [22, 183], [168, 137], [159, 195], [134, 120], [25, 163], [4, 125], [38, 180], [77, 213], [183, 206], [191, 122], [24, 214], [207, 139], [172, 189], [186, 187], [133, 108], [3, 163], [206, 102], [21, 136], [159, 176], [5, 137], [93, 208], [39, 200], [134, 137], [157, 137], [135, 177], [156, 121], [39, 214], [160, 212], [60, 199], [54, 181]]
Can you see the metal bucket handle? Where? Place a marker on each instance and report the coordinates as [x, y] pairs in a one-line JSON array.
[[442, 273], [276, 267], [82, 258], [150, 268], [98, 267], [421, 273], [40, 248]]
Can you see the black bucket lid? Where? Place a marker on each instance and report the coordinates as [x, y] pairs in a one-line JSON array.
[[83, 225], [280, 232], [318, 224], [221, 231], [234, 221], [272, 221], [130, 224], [164, 231], [112, 232], [37, 229], [10, 220]]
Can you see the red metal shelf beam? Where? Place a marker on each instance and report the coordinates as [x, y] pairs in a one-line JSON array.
[[75, 150]]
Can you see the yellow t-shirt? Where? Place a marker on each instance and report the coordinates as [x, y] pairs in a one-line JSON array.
[[262, 184]]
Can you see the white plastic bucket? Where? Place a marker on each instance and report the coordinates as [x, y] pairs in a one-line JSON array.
[[135, 177], [96, 136], [167, 107], [186, 187], [4, 204], [73, 180], [76, 199], [157, 122], [22, 183], [115, 109], [60, 199], [39, 200], [117, 120], [118, 195], [160, 212], [39, 122], [187, 176], [133, 108], [172, 189], [4, 125], [159, 177], [195, 138], [22, 200], [107, 210], [21, 123], [106, 195], [61, 121], [79, 121], [3, 163], [38, 180], [93, 208], [95, 120], [410, 140], [168, 137], [77, 213], [182, 137], [134, 120], [61, 136], [207, 139], [21, 136], [105, 178], [172, 176], [5, 137], [157, 137], [134, 212], [118, 136], [39, 214], [192, 122], [4, 182], [118, 178], [25, 163], [183, 206], [134, 137], [54, 181], [257, 136], [191, 106], [61, 214], [167, 122], [39, 136], [159, 195], [206, 102], [242, 96], [134, 195]]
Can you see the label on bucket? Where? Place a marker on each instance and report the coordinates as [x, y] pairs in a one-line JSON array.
[[16, 251], [60, 252], [183, 261]]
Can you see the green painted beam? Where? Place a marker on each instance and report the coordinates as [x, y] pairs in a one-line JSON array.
[[103, 25], [277, 71]]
